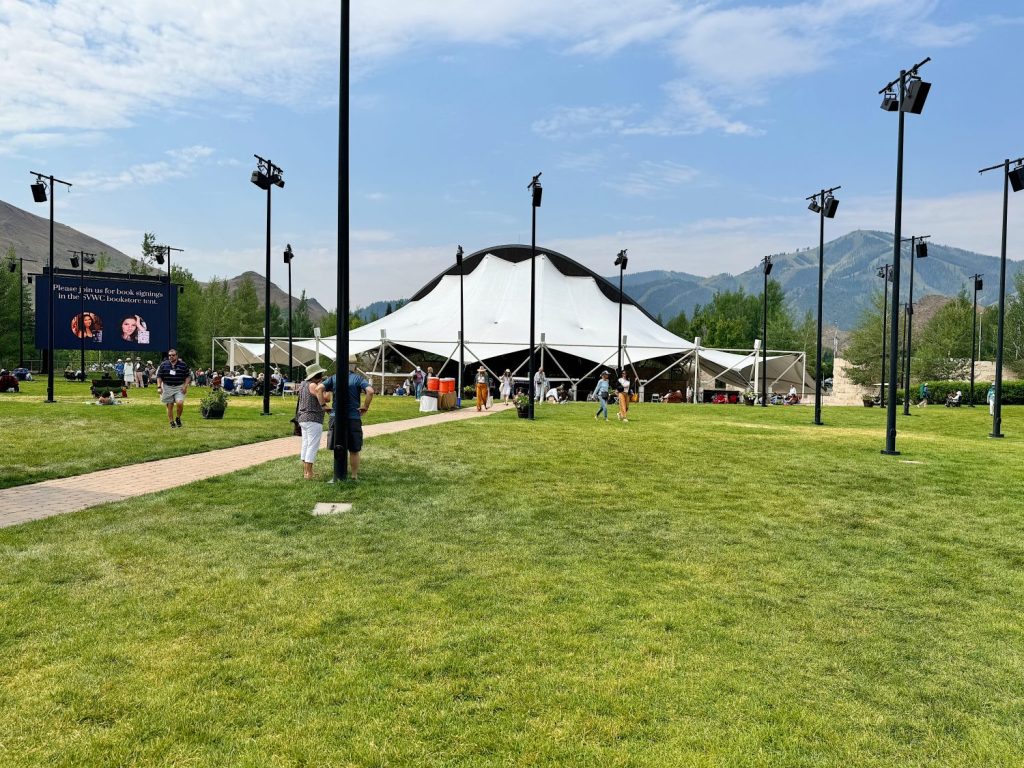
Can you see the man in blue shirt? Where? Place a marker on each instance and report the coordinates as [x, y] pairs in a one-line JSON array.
[[172, 380], [356, 385]]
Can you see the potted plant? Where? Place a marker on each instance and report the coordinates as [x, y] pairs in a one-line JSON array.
[[522, 403], [468, 392], [214, 404], [869, 402], [748, 397]]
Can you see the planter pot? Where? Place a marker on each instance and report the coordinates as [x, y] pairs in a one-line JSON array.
[[524, 413], [869, 403], [211, 414], [748, 402]]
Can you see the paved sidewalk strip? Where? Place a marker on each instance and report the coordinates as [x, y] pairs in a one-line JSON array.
[[37, 501]]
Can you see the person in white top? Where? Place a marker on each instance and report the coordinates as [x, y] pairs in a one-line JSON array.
[[623, 390], [506, 386]]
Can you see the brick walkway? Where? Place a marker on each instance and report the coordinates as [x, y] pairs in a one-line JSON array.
[[37, 501]]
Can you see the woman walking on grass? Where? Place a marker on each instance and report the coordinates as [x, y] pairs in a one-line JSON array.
[[601, 395], [310, 415], [623, 391]]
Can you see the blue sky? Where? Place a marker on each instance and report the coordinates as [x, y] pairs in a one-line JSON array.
[[687, 132]]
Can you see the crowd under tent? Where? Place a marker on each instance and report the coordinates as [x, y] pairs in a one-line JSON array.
[[576, 329]]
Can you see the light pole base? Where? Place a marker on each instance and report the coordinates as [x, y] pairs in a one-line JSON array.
[[995, 436], [266, 414], [889, 453], [818, 423]]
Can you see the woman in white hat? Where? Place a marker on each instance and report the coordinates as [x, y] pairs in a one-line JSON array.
[[310, 416], [482, 390], [506, 386]]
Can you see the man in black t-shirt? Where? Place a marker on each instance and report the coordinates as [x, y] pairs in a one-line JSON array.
[[172, 380]]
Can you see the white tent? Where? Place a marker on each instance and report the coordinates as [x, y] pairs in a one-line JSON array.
[[576, 315]]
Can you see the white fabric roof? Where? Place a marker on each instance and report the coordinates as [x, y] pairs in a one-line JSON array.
[[573, 315], [572, 312]]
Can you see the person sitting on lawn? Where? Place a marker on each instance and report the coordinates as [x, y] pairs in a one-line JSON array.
[[673, 397], [953, 401], [8, 383], [106, 398]]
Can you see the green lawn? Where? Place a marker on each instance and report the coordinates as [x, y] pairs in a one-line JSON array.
[[710, 586], [72, 437]]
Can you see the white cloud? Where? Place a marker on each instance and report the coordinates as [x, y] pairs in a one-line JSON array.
[[584, 121], [144, 174], [652, 179], [98, 64]]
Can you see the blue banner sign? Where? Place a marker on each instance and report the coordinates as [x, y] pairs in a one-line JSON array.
[[119, 314]]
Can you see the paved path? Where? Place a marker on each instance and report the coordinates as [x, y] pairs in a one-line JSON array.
[[71, 494]]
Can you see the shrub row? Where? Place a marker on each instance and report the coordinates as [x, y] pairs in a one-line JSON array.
[[1012, 391]]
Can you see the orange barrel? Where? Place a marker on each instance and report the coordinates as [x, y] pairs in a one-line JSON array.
[[433, 383], [447, 385]]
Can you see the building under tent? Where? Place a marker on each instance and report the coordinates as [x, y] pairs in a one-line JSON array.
[[576, 331]]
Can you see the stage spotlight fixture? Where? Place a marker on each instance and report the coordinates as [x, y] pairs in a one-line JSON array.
[[768, 265], [915, 95], [1016, 177], [159, 256], [288, 255], [39, 192], [261, 180], [74, 262], [814, 207], [890, 101], [831, 205], [979, 284], [922, 250], [277, 181], [621, 259], [538, 191]]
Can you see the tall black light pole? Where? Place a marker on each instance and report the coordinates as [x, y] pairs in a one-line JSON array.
[[288, 256], [766, 267], [1013, 177], [17, 264], [341, 393], [462, 325], [884, 272], [918, 250], [161, 252], [824, 204], [538, 192], [978, 285], [620, 261], [39, 190], [910, 97], [267, 176], [78, 261]]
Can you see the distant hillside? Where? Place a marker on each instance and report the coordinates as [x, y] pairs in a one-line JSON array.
[[30, 236], [278, 297], [851, 262], [378, 309]]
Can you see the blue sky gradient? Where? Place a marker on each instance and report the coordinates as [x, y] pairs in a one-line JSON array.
[[687, 132]]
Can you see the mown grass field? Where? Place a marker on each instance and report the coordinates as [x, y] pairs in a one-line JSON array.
[[72, 437], [710, 586]]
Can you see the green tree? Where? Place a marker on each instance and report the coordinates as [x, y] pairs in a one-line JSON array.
[[146, 265], [680, 326], [1013, 328], [329, 324], [864, 347], [302, 325], [943, 348], [246, 314]]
